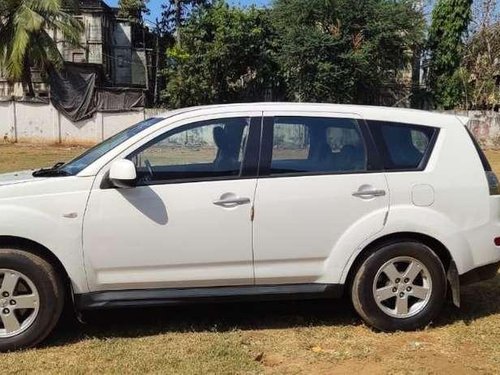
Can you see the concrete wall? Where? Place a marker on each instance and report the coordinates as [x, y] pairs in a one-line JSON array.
[[153, 112], [42, 123], [485, 125]]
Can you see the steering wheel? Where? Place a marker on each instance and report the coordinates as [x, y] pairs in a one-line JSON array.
[[149, 167]]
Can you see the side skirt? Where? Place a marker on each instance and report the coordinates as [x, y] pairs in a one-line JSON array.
[[158, 297]]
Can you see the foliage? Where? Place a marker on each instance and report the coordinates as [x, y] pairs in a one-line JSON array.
[[133, 9], [225, 56], [25, 35], [176, 12], [345, 50], [481, 63], [450, 20], [482, 66]]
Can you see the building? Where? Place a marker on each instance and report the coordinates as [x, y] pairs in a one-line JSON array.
[[116, 46]]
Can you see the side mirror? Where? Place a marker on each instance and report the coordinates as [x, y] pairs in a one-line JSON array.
[[123, 174]]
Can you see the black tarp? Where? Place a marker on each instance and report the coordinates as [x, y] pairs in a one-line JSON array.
[[77, 92], [72, 91], [119, 99]]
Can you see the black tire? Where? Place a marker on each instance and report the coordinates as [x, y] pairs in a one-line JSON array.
[[363, 297], [51, 297]]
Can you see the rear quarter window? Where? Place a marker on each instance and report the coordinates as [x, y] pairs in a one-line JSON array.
[[403, 146]]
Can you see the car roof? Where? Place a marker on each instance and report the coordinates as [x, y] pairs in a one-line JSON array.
[[378, 113]]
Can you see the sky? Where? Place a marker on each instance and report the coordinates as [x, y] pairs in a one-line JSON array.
[[155, 5]]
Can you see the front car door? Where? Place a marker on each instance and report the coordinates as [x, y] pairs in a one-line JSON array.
[[317, 186], [187, 223]]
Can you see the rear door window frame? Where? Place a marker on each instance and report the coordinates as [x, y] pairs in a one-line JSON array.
[[373, 160]]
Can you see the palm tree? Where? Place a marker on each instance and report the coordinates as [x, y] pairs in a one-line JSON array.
[[25, 40]]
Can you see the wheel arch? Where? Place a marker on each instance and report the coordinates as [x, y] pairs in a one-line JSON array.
[[38, 249]]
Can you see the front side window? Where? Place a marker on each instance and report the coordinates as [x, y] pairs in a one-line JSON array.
[[317, 145], [402, 146], [208, 149]]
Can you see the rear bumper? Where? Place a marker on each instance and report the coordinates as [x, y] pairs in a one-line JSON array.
[[482, 273]]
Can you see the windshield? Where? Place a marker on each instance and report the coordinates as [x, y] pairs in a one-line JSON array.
[[78, 164]]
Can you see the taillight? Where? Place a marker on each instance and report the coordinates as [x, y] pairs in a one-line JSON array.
[[493, 183]]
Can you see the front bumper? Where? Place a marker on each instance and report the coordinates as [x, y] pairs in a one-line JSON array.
[[482, 273]]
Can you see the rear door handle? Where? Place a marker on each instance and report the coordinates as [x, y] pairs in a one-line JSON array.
[[231, 201], [365, 194]]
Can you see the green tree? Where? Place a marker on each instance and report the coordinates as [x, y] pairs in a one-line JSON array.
[[481, 69], [450, 20], [350, 51], [176, 12], [481, 65], [226, 56], [26, 27], [133, 9]]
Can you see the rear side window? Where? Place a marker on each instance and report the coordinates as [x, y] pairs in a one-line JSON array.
[[403, 146], [305, 145]]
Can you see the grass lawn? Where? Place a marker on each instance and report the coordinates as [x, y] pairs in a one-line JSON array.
[[314, 337]]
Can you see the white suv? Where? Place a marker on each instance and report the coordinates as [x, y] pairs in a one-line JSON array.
[[271, 200]]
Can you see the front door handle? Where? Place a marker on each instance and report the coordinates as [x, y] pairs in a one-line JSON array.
[[368, 193], [231, 201]]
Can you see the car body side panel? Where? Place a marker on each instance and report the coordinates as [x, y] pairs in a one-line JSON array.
[[462, 215], [300, 221], [415, 220], [49, 212], [168, 236]]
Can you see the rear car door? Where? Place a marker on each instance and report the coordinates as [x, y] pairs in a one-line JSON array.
[[319, 178]]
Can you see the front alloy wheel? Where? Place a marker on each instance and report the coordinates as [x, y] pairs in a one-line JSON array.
[[31, 299], [19, 302]]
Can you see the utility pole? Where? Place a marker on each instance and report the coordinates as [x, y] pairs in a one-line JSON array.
[[178, 20], [157, 63], [416, 67], [146, 71]]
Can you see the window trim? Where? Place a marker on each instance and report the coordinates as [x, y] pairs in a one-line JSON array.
[[382, 149], [373, 161], [248, 167]]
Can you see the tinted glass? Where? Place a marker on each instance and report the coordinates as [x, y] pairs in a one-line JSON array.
[[403, 146], [317, 144], [201, 150]]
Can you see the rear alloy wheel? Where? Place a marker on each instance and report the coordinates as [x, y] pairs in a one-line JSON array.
[[400, 286], [31, 299]]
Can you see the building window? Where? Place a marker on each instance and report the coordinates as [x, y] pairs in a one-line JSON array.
[[78, 57]]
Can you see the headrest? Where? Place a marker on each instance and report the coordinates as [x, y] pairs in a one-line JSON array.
[[218, 134]]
